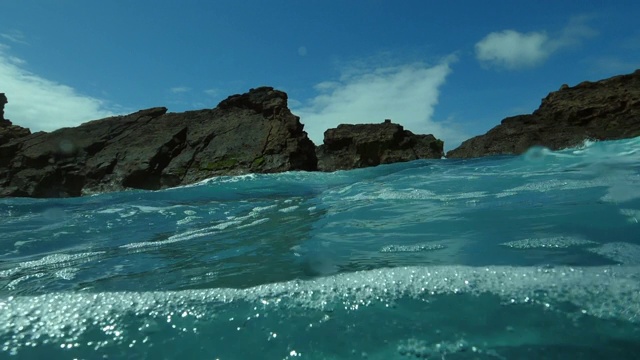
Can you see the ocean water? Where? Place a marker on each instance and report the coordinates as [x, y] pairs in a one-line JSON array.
[[517, 257]]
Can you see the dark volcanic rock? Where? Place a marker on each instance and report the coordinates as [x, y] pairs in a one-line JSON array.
[[356, 146], [3, 101], [604, 110], [153, 149], [8, 131]]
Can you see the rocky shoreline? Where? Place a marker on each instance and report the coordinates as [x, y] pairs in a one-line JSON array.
[[256, 132], [152, 149], [608, 109]]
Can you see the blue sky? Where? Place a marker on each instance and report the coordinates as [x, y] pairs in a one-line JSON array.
[[451, 68]]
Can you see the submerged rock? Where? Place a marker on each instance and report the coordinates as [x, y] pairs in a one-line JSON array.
[[604, 110], [152, 149], [362, 145]]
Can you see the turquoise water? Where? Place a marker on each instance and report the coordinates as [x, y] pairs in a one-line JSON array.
[[529, 257]]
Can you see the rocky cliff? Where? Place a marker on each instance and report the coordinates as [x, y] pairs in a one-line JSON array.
[[362, 145], [8, 131], [152, 149], [604, 110]]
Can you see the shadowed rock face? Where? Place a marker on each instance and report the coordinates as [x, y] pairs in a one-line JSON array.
[[3, 101], [8, 131], [257, 133], [152, 149], [362, 145], [604, 110]]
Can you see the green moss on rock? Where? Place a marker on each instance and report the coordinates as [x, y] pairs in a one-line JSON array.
[[257, 162], [222, 164]]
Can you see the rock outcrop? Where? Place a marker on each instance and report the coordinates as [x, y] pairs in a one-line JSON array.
[[3, 102], [362, 145], [604, 110], [152, 149], [8, 131]]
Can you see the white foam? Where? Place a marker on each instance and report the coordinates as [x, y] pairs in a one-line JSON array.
[[58, 264], [555, 242], [152, 209], [66, 273], [505, 194], [620, 191], [411, 248], [586, 144], [420, 349], [207, 231], [622, 252], [187, 235], [388, 194], [289, 209], [187, 220], [633, 215], [61, 259], [414, 194], [15, 282], [549, 185], [603, 292], [258, 209], [130, 210], [218, 179], [110, 210], [462, 196], [254, 223]]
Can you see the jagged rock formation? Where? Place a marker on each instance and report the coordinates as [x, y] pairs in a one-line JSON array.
[[152, 149], [604, 110], [257, 133], [362, 145], [9, 131], [3, 101]]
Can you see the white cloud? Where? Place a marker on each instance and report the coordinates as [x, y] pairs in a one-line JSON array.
[[180, 89], [513, 50], [41, 104], [406, 94]]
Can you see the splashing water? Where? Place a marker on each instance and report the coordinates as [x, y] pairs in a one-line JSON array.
[[528, 257]]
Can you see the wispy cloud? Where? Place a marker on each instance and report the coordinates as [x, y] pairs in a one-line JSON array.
[[14, 36], [41, 104], [212, 92], [514, 50], [407, 94], [180, 89]]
